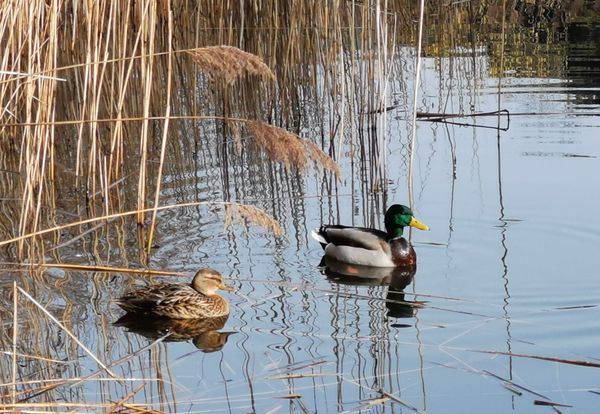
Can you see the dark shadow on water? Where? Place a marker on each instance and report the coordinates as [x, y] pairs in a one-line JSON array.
[[397, 279], [204, 333], [398, 306]]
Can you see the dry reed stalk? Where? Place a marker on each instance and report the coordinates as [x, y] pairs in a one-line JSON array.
[[229, 63], [400, 401], [123, 86], [580, 362], [32, 49], [14, 339], [165, 129], [37, 358], [57, 406], [111, 120], [55, 383], [129, 396], [69, 333], [147, 81], [111, 269], [413, 139], [268, 220]]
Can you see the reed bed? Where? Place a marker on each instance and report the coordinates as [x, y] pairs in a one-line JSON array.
[[91, 96]]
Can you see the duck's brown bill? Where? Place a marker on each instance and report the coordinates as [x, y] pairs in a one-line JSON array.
[[229, 288]]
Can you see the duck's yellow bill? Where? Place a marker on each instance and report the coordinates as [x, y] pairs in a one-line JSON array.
[[417, 224]]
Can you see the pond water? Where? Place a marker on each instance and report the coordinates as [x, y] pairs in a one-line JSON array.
[[507, 273]]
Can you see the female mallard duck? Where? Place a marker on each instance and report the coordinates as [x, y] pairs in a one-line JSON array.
[[180, 301], [372, 247]]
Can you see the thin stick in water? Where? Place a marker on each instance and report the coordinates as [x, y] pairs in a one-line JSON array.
[[64, 328]]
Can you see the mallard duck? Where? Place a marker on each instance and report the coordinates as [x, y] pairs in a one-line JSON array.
[[372, 247], [180, 301]]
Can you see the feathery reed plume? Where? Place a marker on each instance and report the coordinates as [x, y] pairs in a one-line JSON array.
[[228, 63], [245, 214], [278, 143], [289, 148], [320, 158], [235, 132]]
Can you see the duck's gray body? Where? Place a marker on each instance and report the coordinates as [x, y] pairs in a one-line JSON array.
[[363, 246]]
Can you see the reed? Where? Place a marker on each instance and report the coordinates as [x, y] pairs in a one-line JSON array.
[[108, 79]]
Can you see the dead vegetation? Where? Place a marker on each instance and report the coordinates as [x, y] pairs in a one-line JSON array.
[[229, 63]]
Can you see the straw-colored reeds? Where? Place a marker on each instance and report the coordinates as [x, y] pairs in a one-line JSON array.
[[98, 84]]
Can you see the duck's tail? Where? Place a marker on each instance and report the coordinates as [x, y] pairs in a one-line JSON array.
[[318, 236]]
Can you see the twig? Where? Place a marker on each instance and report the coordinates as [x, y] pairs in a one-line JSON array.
[[551, 404], [400, 401], [64, 328], [507, 381], [127, 397], [579, 362], [112, 269], [14, 338]]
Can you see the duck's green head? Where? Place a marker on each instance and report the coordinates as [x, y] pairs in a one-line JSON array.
[[397, 217]]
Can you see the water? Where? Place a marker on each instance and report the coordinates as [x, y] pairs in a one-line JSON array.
[[507, 272], [509, 266]]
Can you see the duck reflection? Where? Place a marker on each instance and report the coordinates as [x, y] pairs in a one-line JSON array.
[[398, 278], [398, 306], [204, 333]]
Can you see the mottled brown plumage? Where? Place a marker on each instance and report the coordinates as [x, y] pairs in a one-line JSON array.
[[180, 301]]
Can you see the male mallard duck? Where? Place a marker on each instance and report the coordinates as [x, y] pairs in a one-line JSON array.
[[372, 247], [180, 301]]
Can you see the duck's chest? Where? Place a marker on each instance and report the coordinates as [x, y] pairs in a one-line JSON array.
[[402, 252]]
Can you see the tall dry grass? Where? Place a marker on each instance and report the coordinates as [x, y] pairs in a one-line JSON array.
[[116, 66]]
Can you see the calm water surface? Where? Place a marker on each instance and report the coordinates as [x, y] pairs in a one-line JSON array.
[[510, 266]]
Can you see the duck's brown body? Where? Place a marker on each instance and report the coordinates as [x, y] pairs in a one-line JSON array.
[[180, 301], [175, 301]]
